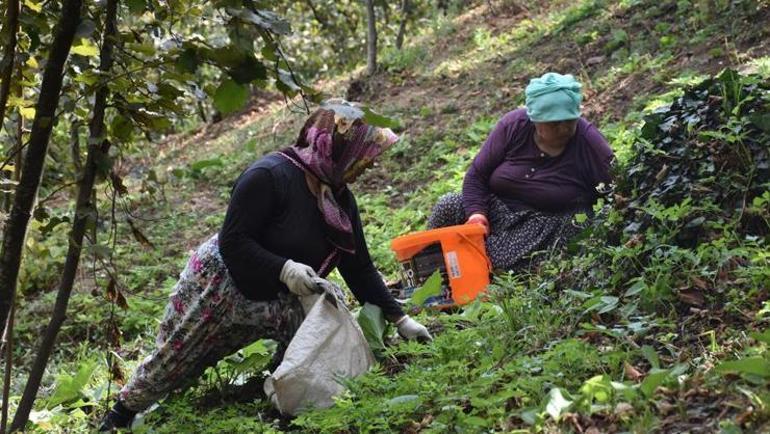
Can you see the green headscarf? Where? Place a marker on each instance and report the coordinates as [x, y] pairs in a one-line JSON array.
[[553, 97]]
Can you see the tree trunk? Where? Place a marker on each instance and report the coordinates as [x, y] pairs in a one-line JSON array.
[[8, 342], [402, 26], [371, 45], [8, 334], [45, 112], [9, 55], [97, 146]]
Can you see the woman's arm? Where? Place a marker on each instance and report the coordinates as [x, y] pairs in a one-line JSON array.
[[251, 204], [476, 192], [599, 158], [362, 277]]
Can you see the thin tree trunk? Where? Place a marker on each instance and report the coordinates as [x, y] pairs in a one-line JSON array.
[[402, 26], [45, 111], [8, 342], [97, 146], [7, 345], [9, 55], [371, 45]]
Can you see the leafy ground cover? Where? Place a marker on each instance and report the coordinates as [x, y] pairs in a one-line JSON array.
[[656, 320]]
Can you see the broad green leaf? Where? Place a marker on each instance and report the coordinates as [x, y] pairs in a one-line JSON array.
[[475, 421], [34, 6], [638, 286], [348, 111], [230, 96], [27, 112], [266, 20], [609, 303], [431, 288], [758, 366], [652, 381], [404, 399], [556, 403], [145, 48], [86, 48], [373, 324], [136, 6], [378, 120], [286, 83], [762, 337], [248, 70], [597, 388], [69, 388], [121, 128], [581, 218], [188, 60], [649, 353]]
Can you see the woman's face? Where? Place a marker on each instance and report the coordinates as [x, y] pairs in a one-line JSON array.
[[556, 131], [356, 169]]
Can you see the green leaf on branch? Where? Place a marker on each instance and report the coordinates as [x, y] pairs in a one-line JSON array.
[[136, 7], [86, 48], [266, 20], [121, 128], [248, 70], [378, 120], [286, 84], [230, 96], [34, 6], [188, 60]]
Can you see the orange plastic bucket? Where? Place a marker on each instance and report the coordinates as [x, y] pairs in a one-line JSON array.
[[457, 251]]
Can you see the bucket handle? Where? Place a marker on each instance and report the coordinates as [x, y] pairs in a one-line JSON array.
[[478, 250]]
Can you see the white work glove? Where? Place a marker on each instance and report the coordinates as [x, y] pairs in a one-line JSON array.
[[411, 329], [299, 278]]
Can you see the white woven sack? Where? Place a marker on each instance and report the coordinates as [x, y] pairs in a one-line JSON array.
[[328, 345]]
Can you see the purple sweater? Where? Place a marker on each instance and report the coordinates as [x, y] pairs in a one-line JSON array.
[[512, 167]]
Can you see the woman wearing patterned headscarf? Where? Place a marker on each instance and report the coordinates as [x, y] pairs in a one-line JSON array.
[[539, 167], [290, 222]]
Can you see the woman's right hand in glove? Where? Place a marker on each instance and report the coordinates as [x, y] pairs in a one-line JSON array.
[[300, 278]]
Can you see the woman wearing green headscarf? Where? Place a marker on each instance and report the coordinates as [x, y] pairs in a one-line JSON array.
[[540, 166]]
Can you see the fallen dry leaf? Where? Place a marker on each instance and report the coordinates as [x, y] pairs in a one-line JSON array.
[[692, 297], [631, 372]]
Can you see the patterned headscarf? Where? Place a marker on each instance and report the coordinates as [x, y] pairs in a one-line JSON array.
[[334, 141]]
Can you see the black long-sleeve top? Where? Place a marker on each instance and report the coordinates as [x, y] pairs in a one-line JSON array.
[[273, 217]]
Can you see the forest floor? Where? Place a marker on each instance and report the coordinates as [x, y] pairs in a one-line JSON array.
[[539, 356]]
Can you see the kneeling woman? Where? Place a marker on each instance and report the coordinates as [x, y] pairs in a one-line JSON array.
[[291, 220], [539, 167]]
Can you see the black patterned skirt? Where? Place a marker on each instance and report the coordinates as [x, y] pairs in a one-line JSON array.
[[514, 235]]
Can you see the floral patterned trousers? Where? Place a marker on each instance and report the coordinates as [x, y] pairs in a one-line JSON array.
[[206, 319]]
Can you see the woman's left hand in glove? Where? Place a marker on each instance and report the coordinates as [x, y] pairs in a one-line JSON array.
[[411, 329]]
